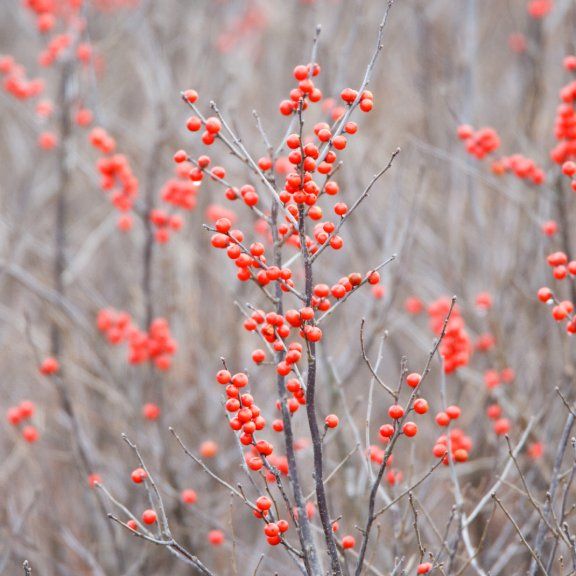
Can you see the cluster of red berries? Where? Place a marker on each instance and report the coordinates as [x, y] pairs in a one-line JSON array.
[[293, 403], [273, 530], [16, 82], [196, 169], [455, 347], [500, 425], [117, 178], [19, 415], [455, 445], [365, 103], [245, 415], [302, 320], [522, 167], [305, 91], [164, 223], [305, 158], [231, 240], [482, 142], [561, 310], [212, 127], [396, 412], [493, 378], [376, 454], [180, 191], [55, 48], [479, 143], [565, 122], [253, 460], [53, 7], [156, 345], [48, 13]]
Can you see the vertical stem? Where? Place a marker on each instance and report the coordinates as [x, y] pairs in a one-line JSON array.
[[304, 531], [371, 508], [60, 247], [61, 220], [542, 527], [148, 252], [321, 499]]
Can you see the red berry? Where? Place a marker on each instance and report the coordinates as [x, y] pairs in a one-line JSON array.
[[410, 429], [421, 406], [132, 524], [442, 419], [194, 124], [502, 426], [30, 434], [271, 530], [213, 125], [263, 503], [341, 208], [453, 412], [208, 449], [544, 294], [49, 366], [301, 72], [223, 377], [27, 409], [396, 412], [215, 537], [14, 415], [331, 421], [138, 475], [180, 156], [386, 430], [460, 455], [223, 225], [569, 168], [151, 411], [258, 356], [188, 496], [413, 379], [348, 542], [149, 517], [191, 96]]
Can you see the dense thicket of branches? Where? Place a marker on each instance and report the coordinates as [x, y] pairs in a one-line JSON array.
[[455, 226]]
